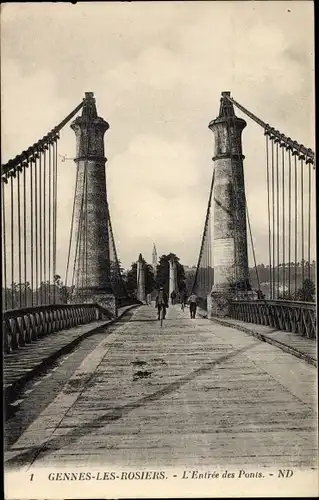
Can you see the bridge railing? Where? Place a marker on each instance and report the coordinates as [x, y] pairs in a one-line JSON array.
[[25, 325], [22, 326], [295, 317]]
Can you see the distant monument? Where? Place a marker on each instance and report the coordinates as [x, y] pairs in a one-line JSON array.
[[154, 259], [140, 279], [172, 277]]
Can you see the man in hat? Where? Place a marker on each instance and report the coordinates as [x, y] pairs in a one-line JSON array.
[[161, 302], [192, 305]]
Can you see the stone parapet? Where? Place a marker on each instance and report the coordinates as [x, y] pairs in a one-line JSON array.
[[103, 299], [218, 304]]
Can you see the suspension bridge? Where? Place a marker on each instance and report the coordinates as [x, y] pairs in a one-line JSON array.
[[138, 370]]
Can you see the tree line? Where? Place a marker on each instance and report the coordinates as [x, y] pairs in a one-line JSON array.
[[302, 286], [21, 295], [297, 272]]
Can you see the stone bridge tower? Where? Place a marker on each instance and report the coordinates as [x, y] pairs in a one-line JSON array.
[[91, 214], [231, 274]]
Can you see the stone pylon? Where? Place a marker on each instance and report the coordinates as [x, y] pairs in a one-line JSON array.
[[154, 259], [91, 214], [230, 256], [172, 277], [140, 279]]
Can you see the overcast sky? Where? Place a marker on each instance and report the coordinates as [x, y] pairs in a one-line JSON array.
[[157, 71]]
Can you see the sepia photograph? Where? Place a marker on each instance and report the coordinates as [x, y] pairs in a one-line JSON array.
[[158, 246]]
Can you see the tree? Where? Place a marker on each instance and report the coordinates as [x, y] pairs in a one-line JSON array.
[[117, 278], [62, 292], [307, 292], [162, 272], [131, 278]]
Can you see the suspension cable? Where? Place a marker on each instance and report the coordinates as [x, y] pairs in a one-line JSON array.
[[309, 221], [55, 175], [277, 220], [31, 223], [252, 244], [81, 234], [283, 221], [4, 181], [71, 229], [209, 256], [12, 243], [273, 217], [269, 223], [77, 259], [117, 264], [289, 227], [86, 232], [79, 267], [82, 239], [296, 223], [204, 232], [74, 272], [44, 226], [302, 226], [19, 239], [49, 216], [36, 232], [25, 237], [40, 228]]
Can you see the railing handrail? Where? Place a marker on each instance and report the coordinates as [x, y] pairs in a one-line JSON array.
[[278, 302], [33, 309], [43, 307], [287, 315]]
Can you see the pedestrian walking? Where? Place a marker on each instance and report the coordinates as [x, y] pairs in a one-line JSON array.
[[161, 302], [193, 305], [173, 297], [183, 299]]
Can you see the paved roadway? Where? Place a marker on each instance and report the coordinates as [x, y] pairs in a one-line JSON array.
[[192, 392]]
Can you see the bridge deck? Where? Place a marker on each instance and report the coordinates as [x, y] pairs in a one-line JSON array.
[[193, 392]]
